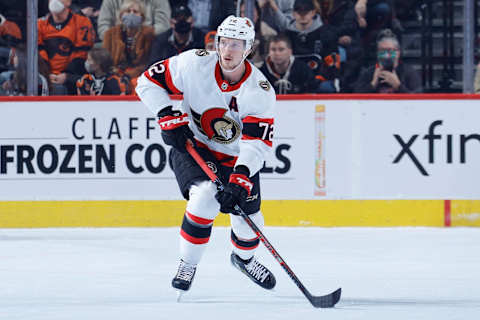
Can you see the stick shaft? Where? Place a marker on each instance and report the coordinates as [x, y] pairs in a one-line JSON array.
[[191, 150]]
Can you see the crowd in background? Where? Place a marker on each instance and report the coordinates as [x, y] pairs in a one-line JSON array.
[[100, 47]]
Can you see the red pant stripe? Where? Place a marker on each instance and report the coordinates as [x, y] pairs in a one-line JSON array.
[[193, 240], [244, 248], [198, 220]]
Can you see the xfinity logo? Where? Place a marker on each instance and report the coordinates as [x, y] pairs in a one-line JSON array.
[[432, 139]]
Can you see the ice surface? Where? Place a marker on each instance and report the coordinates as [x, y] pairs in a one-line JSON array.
[[125, 273]]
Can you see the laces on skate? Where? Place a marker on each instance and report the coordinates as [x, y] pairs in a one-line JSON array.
[[186, 271], [257, 270]]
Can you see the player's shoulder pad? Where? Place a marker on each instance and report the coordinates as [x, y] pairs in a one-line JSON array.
[[262, 85], [260, 81], [187, 57], [195, 53], [202, 52], [194, 58], [261, 94]]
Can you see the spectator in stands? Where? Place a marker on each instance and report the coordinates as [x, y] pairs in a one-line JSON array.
[[15, 11], [10, 37], [157, 13], [210, 40], [277, 13], [373, 16], [284, 72], [64, 39], [129, 42], [90, 9], [389, 74], [10, 34], [315, 43], [14, 82], [207, 14], [476, 84], [405, 10], [263, 33], [341, 15], [182, 36], [100, 79]]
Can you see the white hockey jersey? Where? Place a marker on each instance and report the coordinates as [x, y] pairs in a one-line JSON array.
[[234, 121]]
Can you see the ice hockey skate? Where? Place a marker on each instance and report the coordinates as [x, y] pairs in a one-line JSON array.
[[184, 277], [253, 269]]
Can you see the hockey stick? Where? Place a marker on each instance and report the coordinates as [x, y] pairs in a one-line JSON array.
[[326, 301]]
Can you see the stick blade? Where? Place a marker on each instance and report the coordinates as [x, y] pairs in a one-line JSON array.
[[326, 301]]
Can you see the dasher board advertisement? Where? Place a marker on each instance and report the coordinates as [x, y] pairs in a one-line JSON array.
[[108, 150], [332, 149]]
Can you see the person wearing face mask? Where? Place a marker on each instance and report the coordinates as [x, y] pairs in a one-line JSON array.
[[181, 36], [389, 74], [129, 42], [64, 39], [100, 79], [157, 13]]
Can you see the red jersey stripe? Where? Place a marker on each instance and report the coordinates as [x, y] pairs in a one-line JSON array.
[[251, 119], [247, 137], [153, 80], [168, 79]]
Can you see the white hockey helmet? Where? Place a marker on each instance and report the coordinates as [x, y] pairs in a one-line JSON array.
[[236, 28]]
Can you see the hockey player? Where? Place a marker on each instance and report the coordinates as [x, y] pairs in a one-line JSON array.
[[227, 111]]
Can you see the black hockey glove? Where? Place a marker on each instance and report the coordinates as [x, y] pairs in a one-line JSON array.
[[175, 130], [236, 191]]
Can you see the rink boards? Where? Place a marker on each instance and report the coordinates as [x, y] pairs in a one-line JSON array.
[[337, 161], [327, 213]]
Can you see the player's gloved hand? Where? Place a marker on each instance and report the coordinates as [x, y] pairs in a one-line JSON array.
[[236, 191], [175, 130]]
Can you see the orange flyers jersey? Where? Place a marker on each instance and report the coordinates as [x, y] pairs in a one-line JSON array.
[[61, 43], [10, 31], [230, 120]]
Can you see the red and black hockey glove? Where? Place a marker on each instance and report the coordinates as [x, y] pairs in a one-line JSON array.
[[236, 191], [175, 130]]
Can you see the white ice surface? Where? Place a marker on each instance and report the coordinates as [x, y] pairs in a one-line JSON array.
[[125, 273]]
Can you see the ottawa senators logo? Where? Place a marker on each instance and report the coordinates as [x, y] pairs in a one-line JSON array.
[[202, 52], [216, 126]]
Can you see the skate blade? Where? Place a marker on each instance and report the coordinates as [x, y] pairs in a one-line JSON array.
[[180, 295]]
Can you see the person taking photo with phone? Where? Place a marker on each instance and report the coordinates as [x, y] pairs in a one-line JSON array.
[[389, 74]]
